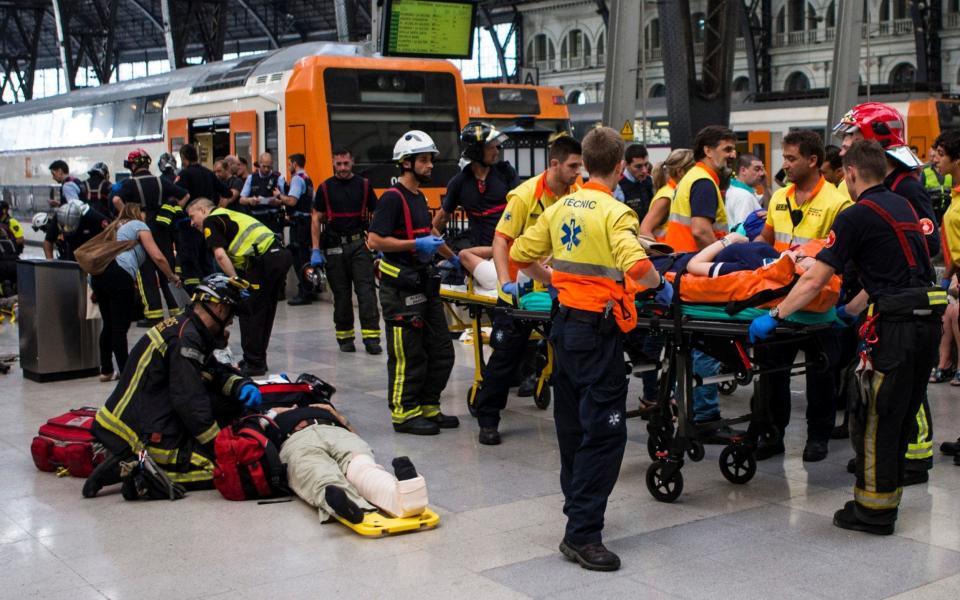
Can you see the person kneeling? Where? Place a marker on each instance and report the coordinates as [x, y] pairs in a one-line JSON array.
[[332, 469]]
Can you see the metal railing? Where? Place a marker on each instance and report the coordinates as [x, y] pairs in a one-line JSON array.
[[951, 21]]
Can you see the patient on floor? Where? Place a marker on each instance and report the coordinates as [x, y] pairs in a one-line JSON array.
[[331, 468]]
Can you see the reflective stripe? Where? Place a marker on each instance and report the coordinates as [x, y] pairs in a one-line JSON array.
[[142, 365], [207, 435], [229, 383], [936, 298], [162, 456], [238, 241], [190, 476], [345, 334], [792, 240], [878, 500], [111, 423], [399, 373], [575, 268], [870, 435], [430, 410], [370, 333], [921, 448], [388, 269], [678, 218]]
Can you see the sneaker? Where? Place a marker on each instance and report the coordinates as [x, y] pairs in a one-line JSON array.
[[815, 451], [489, 436], [528, 386], [846, 518], [106, 473], [403, 468], [299, 301], [417, 426], [372, 347], [342, 505], [445, 421], [956, 379], [765, 451], [105, 377], [950, 448], [594, 557], [347, 346], [915, 477]]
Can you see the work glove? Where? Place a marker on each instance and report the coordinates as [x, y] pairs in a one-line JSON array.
[[316, 258], [427, 246], [762, 327], [250, 395], [664, 296]]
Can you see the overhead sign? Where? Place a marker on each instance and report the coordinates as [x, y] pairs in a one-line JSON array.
[[626, 132], [429, 28]]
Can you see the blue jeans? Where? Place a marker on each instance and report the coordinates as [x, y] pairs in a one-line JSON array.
[[706, 398]]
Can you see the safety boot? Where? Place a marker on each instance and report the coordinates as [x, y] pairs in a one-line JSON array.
[[914, 477], [417, 426], [594, 557], [372, 347], [489, 436], [106, 473], [445, 421], [528, 386], [299, 301], [950, 448], [347, 346], [815, 451], [846, 518]]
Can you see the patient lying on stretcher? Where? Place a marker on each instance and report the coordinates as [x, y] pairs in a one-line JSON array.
[[331, 468]]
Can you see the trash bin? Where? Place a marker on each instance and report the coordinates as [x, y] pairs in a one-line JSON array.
[[57, 340]]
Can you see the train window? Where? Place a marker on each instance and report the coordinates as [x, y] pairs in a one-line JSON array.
[[948, 114], [77, 131], [102, 122], [126, 118], [152, 123], [516, 101], [241, 143], [270, 143]]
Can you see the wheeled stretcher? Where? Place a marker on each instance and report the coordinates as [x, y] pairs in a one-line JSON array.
[[481, 305]]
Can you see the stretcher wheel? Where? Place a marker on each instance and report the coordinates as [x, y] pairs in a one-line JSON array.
[[664, 488], [696, 451], [471, 399], [542, 400], [727, 387], [770, 435], [656, 444], [738, 464]]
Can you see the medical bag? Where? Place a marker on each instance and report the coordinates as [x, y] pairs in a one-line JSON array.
[[66, 444], [248, 461]]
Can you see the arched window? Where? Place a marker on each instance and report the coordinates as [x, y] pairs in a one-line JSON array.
[[658, 90], [831, 16], [574, 50], [797, 82], [903, 73], [741, 84], [576, 97], [782, 20], [601, 48], [651, 34], [541, 52]]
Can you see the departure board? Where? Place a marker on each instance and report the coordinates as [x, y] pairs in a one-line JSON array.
[[429, 28]]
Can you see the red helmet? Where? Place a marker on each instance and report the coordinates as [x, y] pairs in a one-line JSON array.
[[137, 159], [881, 123]]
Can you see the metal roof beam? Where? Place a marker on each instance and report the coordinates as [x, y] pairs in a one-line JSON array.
[[271, 36]]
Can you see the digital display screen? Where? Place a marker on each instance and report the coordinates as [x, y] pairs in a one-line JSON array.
[[429, 28]]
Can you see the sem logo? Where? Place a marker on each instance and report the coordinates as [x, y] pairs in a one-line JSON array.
[[831, 238], [571, 234], [927, 226]]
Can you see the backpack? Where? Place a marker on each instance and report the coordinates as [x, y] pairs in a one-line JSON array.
[[248, 461], [96, 254], [66, 444]]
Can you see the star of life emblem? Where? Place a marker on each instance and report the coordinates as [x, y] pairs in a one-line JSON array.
[[614, 418]]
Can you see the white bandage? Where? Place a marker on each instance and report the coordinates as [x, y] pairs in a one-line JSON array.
[[485, 275], [397, 498]]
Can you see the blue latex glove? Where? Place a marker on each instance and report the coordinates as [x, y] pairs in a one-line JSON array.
[[664, 296], [427, 245], [250, 395], [844, 316], [762, 327], [511, 289], [945, 282], [454, 261], [316, 258]]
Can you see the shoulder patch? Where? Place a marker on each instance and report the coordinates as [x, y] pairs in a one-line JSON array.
[[206, 232], [192, 354], [927, 226], [831, 239]]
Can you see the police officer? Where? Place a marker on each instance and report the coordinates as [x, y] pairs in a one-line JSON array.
[[480, 187], [200, 182], [297, 203], [635, 183], [419, 351], [883, 238], [698, 218], [153, 193], [260, 195], [71, 188], [173, 396], [244, 246], [346, 201], [799, 213], [884, 124], [97, 189], [598, 267], [937, 187], [525, 204], [11, 246]]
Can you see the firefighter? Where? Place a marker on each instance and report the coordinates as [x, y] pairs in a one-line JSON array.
[[419, 351], [243, 246], [882, 236], [346, 202], [598, 267], [297, 202], [525, 204], [173, 396], [884, 124]]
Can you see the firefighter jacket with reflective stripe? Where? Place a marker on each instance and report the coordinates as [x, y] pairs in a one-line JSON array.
[[593, 240], [679, 234], [165, 393], [816, 215], [253, 237]]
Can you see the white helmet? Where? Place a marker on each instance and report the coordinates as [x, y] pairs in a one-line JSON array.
[[68, 215], [39, 221], [412, 143]]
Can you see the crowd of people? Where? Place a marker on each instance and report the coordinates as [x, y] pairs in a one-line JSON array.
[[582, 230]]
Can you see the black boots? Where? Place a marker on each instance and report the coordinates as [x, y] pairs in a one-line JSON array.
[[594, 557], [342, 505], [106, 473]]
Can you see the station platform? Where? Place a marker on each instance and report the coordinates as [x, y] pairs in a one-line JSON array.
[[500, 511]]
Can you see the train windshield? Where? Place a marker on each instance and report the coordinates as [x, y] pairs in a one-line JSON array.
[[369, 110]]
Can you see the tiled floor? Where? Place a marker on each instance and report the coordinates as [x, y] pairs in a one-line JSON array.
[[500, 507]]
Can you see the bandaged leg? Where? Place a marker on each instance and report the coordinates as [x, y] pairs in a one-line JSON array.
[[382, 489]]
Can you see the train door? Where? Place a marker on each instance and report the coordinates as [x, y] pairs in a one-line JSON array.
[[212, 138], [243, 134], [177, 132]]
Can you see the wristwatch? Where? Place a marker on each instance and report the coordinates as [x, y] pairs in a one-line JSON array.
[[775, 313]]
